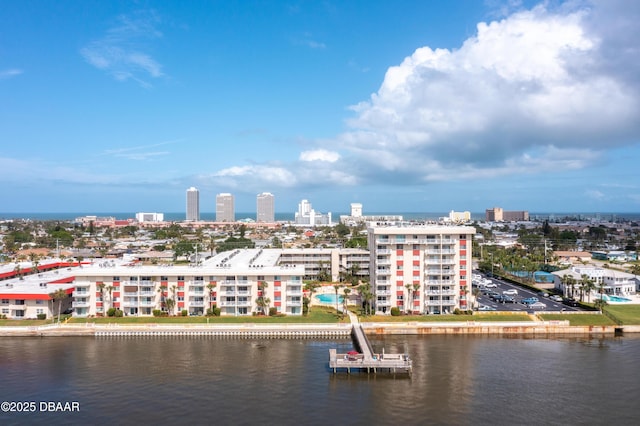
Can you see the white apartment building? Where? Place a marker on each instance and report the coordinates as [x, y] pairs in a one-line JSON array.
[[193, 204], [228, 280], [149, 217], [225, 210], [265, 208], [614, 283], [420, 268], [29, 295], [306, 215], [335, 261]]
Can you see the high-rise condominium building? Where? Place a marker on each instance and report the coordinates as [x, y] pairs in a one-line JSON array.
[[265, 211], [193, 204], [225, 211], [420, 268]]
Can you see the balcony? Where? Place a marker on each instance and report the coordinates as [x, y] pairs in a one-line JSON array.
[[294, 303], [383, 303], [80, 304], [147, 303], [129, 293], [147, 293], [383, 271], [228, 293], [383, 292], [81, 294], [130, 304], [196, 303], [244, 303]]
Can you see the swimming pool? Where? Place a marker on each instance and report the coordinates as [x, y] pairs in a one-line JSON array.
[[328, 298], [609, 298]]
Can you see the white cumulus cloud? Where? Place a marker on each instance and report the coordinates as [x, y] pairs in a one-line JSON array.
[[320, 155]]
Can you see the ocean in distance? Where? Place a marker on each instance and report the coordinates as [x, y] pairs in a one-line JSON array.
[[289, 217], [457, 380]]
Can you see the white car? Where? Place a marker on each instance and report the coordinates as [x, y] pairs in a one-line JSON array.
[[537, 305], [490, 285], [511, 292]]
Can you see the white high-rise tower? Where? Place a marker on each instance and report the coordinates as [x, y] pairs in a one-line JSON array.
[[265, 210], [225, 211], [193, 204]]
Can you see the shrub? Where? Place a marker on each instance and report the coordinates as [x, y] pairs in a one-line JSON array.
[[42, 316], [395, 311], [273, 311], [157, 313], [185, 313], [118, 313], [111, 312]]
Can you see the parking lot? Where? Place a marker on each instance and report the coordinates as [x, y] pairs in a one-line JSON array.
[[509, 297]]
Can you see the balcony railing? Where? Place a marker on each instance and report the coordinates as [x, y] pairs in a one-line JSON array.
[[79, 304]]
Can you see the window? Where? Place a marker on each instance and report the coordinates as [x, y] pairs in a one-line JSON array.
[[5, 310], [164, 278], [133, 278], [180, 277], [39, 302], [261, 278], [5, 301], [198, 278], [40, 311], [398, 246], [116, 278], [416, 246]]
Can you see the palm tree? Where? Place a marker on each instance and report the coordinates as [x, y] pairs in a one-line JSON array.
[[210, 287], [262, 302], [59, 295], [174, 301], [336, 287], [101, 286], [585, 285], [416, 288], [110, 290], [407, 304], [311, 287], [345, 300], [18, 271], [600, 303], [162, 290], [476, 292]]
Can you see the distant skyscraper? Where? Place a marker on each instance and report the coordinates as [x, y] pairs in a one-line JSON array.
[[193, 204], [265, 211], [224, 208]]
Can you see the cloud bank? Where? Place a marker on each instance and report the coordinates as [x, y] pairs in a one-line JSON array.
[[540, 91]]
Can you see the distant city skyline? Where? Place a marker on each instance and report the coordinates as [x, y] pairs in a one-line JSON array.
[[528, 105]]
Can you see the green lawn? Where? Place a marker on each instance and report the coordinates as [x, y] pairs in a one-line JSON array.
[[317, 315], [447, 318], [579, 319], [627, 314]]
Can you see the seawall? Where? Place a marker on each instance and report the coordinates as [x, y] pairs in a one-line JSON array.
[[301, 331]]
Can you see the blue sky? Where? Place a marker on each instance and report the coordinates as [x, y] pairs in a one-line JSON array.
[[401, 106]]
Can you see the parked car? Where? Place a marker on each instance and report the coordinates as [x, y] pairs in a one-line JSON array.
[[486, 308], [497, 297], [529, 300], [511, 292], [556, 298], [570, 301], [490, 285], [508, 299], [537, 305], [543, 294]]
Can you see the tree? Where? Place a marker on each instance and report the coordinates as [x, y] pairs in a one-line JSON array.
[[407, 303], [262, 302], [59, 295], [163, 291], [476, 293], [337, 287], [323, 272], [586, 285], [110, 291], [345, 299], [311, 287], [101, 287], [600, 303], [210, 287]]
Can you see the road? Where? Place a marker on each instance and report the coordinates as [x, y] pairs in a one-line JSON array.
[[523, 293]]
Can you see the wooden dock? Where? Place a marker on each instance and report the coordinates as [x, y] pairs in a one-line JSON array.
[[365, 359]]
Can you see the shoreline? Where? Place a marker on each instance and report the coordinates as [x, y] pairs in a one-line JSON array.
[[250, 330]]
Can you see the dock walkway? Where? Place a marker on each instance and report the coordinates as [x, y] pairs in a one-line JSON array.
[[366, 359]]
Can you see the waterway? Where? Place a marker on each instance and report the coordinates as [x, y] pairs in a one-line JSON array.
[[457, 380]]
